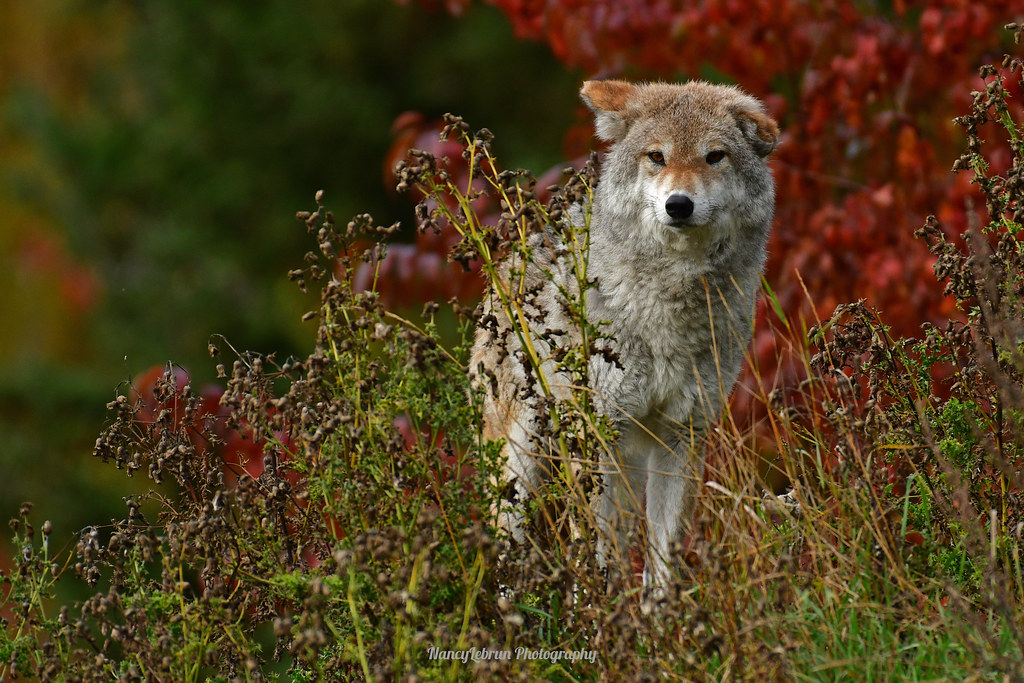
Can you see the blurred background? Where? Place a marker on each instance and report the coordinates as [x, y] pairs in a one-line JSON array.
[[153, 156]]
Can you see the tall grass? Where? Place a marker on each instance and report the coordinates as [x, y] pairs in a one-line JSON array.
[[363, 545]]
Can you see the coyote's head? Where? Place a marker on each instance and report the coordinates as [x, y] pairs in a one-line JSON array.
[[686, 163]]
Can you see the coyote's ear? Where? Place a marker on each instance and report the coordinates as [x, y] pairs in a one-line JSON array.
[[759, 129], [607, 99]]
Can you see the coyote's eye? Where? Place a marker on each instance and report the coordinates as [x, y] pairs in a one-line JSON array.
[[715, 156], [657, 157]]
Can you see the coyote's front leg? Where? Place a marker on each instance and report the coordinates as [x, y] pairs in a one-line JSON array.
[[521, 477], [673, 476]]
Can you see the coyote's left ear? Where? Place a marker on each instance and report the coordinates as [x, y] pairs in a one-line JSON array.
[[759, 129], [607, 99]]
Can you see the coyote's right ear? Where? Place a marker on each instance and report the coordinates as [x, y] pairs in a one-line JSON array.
[[607, 99]]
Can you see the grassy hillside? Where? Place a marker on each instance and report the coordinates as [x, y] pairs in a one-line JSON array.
[[351, 539]]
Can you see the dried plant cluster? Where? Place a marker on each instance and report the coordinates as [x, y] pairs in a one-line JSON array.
[[354, 535]]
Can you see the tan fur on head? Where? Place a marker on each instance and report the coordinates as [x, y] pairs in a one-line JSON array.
[[760, 130], [607, 99], [617, 103]]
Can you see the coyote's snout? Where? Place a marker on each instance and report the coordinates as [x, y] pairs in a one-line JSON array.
[[679, 222]]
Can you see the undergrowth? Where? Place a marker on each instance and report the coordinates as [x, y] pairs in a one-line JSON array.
[[361, 546]]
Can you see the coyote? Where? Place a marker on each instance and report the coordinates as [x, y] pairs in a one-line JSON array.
[[678, 226]]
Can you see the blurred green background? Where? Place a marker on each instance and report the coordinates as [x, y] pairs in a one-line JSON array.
[[152, 158]]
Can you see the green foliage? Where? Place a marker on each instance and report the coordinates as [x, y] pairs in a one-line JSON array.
[[961, 427], [943, 412]]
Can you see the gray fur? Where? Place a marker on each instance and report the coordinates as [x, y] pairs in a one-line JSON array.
[[678, 298]]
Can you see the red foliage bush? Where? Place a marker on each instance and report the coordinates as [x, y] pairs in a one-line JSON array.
[[865, 95], [164, 388], [243, 452]]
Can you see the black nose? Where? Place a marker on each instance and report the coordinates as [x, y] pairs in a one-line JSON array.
[[679, 206]]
